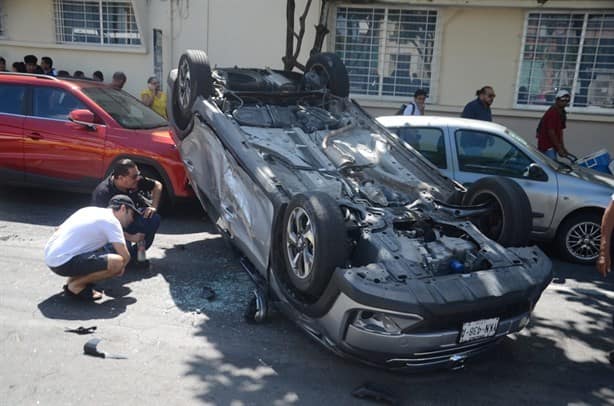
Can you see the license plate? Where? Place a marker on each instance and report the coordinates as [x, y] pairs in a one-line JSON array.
[[475, 330]]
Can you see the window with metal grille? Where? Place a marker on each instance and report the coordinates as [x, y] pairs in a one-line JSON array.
[[387, 51], [571, 51], [96, 22]]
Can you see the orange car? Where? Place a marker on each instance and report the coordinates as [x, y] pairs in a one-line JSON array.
[[67, 134]]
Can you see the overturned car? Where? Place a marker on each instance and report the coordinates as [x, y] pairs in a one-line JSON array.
[[344, 227]]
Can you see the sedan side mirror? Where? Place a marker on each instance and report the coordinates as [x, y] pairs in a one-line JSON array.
[[536, 172], [83, 117]]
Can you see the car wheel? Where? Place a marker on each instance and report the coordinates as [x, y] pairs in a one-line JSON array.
[[511, 220], [313, 227], [193, 80], [579, 236], [330, 70]]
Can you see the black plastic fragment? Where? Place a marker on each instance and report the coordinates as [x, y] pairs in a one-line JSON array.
[[81, 330], [208, 293]]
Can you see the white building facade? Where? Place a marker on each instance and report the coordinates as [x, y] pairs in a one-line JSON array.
[[525, 49]]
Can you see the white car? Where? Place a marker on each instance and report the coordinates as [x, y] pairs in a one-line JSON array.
[[567, 200]]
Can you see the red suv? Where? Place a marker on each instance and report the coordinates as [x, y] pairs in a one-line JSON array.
[[67, 134]]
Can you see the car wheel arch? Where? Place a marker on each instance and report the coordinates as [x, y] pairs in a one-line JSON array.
[[564, 225], [143, 162]]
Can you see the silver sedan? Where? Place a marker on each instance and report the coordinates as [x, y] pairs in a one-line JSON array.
[[567, 200]]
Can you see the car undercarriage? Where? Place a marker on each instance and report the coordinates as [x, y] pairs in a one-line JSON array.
[[348, 230]]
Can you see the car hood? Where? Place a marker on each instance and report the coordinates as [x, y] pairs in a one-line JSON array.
[[589, 175]]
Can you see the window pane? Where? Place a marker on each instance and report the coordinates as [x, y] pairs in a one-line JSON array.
[[386, 51], [554, 44], [596, 76], [480, 152], [94, 22], [12, 99], [428, 141], [125, 109], [54, 103]]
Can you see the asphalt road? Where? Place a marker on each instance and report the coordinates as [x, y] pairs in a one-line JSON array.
[[183, 349]]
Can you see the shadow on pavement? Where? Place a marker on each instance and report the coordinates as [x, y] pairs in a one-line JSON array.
[[530, 367], [61, 307]]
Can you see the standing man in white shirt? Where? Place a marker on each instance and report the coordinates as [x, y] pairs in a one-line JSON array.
[[416, 107], [75, 249]]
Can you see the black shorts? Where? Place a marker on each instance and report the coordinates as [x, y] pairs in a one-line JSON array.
[[83, 264]]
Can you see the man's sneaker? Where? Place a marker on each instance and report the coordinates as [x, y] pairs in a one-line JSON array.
[[611, 356]]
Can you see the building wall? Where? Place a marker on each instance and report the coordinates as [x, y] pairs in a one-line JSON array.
[[232, 32], [256, 36], [37, 37], [480, 44]]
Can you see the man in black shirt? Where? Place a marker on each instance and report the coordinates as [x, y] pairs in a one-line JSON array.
[[126, 179]]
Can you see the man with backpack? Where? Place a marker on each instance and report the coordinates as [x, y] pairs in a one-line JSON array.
[[416, 107]]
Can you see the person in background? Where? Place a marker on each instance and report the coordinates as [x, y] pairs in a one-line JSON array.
[[479, 108], [98, 76], [63, 74], [604, 261], [551, 126], [19, 67], [79, 74], [31, 62], [2, 64], [47, 66], [119, 80], [416, 107], [153, 97]]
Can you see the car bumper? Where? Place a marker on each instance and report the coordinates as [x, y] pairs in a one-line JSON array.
[[410, 351], [440, 306]]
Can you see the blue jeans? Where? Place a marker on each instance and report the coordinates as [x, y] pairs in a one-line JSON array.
[[550, 153], [147, 226]]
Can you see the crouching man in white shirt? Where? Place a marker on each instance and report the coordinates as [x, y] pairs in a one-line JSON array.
[[76, 249]]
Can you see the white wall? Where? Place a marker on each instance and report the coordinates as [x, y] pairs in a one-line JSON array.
[[480, 47], [239, 32]]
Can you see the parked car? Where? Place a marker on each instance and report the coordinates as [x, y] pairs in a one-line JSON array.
[[351, 234], [67, 134], [567, 200]]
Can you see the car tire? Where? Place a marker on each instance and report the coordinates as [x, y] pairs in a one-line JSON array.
[[511, 221], [313, 228], [578, 238], [332, 70], [193, 80]]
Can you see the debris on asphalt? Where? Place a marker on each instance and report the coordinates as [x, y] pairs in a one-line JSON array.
[[375, 392], [90, 348], [81, 330], [208, 293]]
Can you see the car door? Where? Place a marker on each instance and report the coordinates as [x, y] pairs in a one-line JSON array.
[[430, 142], [479, 153], [12, 110], [233, 201], [58, 152]]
